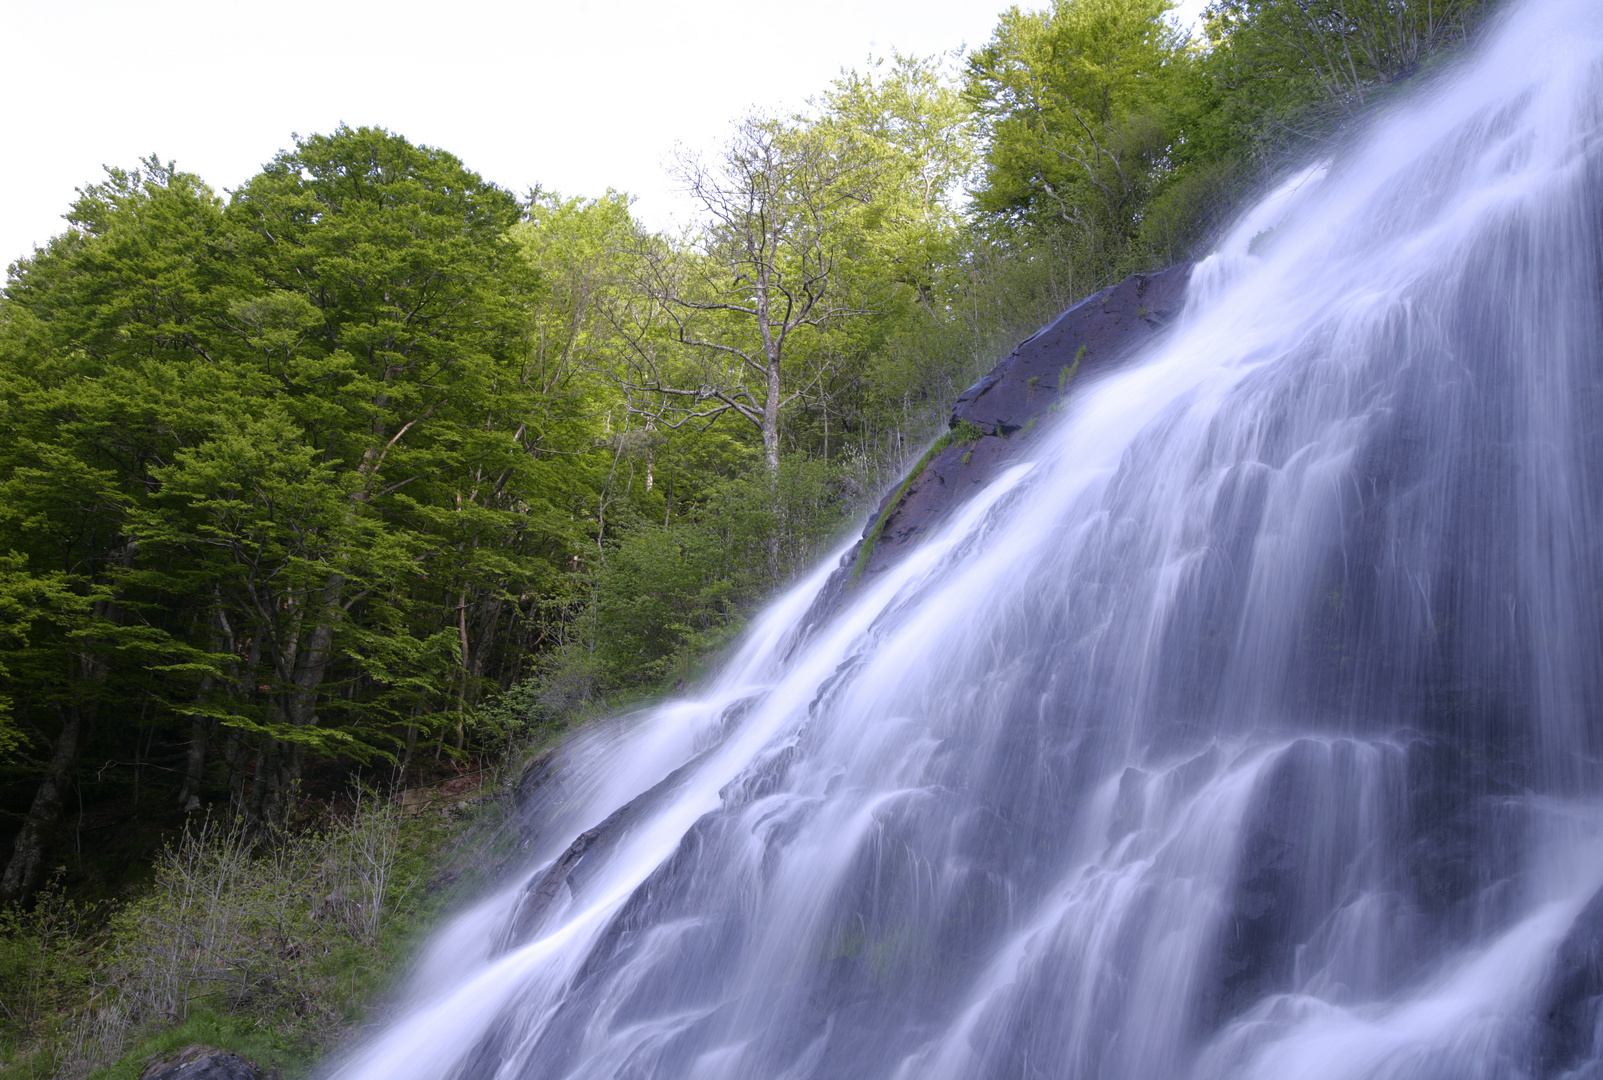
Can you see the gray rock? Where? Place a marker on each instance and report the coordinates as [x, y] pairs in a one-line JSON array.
[[196, 1062], [1094, 336]]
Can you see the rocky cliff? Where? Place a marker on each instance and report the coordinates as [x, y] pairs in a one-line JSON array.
[[997, 417]]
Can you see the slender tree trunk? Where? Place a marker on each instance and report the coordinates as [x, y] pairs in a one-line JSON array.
[[236, 747], [235, 753], [300, 707], [200, 733], [651, 454], [201, 727], [771, 417], [25, 870], [311, 663], [411, 748], [272, 798]]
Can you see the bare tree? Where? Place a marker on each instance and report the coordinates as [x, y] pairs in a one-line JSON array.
[[780, 204]]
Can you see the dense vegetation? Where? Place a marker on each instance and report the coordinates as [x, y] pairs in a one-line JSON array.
[[374, 467]]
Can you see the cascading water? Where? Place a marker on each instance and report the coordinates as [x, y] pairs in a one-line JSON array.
[[1251, 728]]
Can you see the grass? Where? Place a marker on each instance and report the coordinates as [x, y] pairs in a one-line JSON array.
[[1067, 371]]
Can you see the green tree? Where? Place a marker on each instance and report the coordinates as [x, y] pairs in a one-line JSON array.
[[381, 292], [297, 458], [1302, 66], [1078, 112], [89, 330]]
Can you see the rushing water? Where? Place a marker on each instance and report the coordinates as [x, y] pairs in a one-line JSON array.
[[1249, 730]]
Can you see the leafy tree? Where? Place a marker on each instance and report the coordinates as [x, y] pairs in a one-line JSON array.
[[668, 593], [296, 439], [93, 328], [380, 291], [1300, 66], [907, 117], [1076, 105]]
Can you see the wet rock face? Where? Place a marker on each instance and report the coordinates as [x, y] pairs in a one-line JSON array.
[[1573, 1001], [1093, 334], [542, 891], [203, 1063], [1091, 337]]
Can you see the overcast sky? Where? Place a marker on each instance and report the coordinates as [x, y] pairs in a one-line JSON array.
[[573, 96]]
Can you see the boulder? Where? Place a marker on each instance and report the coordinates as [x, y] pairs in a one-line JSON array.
[[542, 890], [196, 1062]]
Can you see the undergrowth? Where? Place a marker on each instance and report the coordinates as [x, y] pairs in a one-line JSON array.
[[276, 951]]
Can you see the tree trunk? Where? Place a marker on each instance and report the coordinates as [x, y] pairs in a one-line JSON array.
[[25, 871], [236, 747], [771, 417], [406, 756], [278, 765], [200, 730], [272, 797], [236, 752]]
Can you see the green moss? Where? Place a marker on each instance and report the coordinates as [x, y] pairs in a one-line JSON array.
[[964, 432]]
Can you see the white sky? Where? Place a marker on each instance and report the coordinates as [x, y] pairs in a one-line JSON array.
[[572, 96]]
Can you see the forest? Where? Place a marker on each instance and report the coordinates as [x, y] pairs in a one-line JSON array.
[[370, 476]]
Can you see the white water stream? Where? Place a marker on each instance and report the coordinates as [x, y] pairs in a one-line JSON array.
[[1250, 729]]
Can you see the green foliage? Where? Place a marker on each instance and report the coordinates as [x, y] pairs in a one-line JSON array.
[[669, 592], [291, 458], [44, 967], [1120, 142], [667, 596], [1079, 105], [204, 1027], [1292, 70]]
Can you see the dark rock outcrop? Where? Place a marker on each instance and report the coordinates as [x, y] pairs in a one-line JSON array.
[[198, 1062], [539, 893], [1091, 337], [1567, 1039], [1099, 331]]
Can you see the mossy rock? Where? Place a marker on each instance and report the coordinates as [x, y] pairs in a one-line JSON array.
[[198, 1062]]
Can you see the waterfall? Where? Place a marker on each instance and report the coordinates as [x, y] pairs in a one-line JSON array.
[[1249, 726]]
